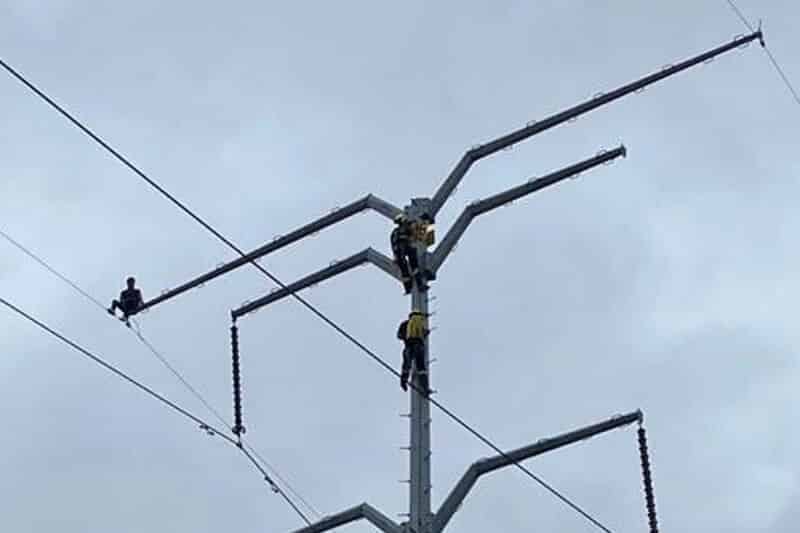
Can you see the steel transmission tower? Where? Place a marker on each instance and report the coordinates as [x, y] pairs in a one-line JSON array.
[[421, 518]]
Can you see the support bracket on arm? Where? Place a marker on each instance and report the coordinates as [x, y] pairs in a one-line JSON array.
[[359, 512], [492, 202], [365, 256], [370, 201], [484, 466], [598, 100]]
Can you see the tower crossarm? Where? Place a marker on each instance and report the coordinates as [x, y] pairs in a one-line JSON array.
[[340, 267], [360, 512], [484, 466], [600, 99], [492, 202], [370, 201]]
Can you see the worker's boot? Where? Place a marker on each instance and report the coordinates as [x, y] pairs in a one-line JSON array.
[[423, 382], [407, 285], [404, 382], [419, 279]]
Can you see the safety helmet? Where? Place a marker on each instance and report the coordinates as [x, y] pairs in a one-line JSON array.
[[130, 281]]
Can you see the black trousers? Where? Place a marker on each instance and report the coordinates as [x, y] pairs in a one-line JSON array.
[[414, 351], [408, 263], [126, 306]]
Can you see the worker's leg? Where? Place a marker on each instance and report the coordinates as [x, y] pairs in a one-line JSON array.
[[413, 262], [400, 259], [406, 369], [418, 354], [129, 308], [114, 306]]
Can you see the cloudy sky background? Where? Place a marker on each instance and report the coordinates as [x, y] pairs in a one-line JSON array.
[[664, 282]]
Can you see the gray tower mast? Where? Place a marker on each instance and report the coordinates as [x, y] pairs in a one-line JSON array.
[[421, 518]]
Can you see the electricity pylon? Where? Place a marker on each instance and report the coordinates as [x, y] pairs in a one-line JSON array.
[[420, 516], [423, 210]]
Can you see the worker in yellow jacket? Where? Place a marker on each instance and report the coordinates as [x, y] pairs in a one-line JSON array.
[[413, 333]]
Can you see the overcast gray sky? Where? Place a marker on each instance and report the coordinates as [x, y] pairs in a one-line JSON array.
[[664, 282]]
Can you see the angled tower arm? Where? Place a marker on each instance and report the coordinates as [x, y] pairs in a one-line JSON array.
[[359, 512], [484, 466], [485, 150], [365, 256], [497, 200], [368, 202]]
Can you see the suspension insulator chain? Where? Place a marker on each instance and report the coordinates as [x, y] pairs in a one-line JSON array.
[[238, 428], [648, 481]]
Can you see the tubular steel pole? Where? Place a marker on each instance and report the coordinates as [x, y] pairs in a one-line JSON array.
[[420, 516]]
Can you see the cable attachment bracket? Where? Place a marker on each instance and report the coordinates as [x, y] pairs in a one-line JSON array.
[[238, 428], [272, 486], [209, 431]]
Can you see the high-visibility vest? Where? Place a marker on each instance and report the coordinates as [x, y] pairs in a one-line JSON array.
[[416, 327], [423, 233]]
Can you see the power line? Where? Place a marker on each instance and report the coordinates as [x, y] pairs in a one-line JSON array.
[[771, 57], [113, 369], [221, 419], [283, 480], [538, 479], [783, 75], [137, 331], [275, 487], [339, 329], [169, 403], [741, 16], [53, 271]]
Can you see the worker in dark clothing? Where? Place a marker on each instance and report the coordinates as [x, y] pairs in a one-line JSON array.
[[130, 300], [401, 242], [413, 332], [405, 254]]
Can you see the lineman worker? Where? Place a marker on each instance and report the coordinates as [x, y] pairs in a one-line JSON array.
[[130, 300], [405, 254], [413, 332]]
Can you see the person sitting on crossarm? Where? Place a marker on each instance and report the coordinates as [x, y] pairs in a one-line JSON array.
[[130, 300], [413, 333]]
